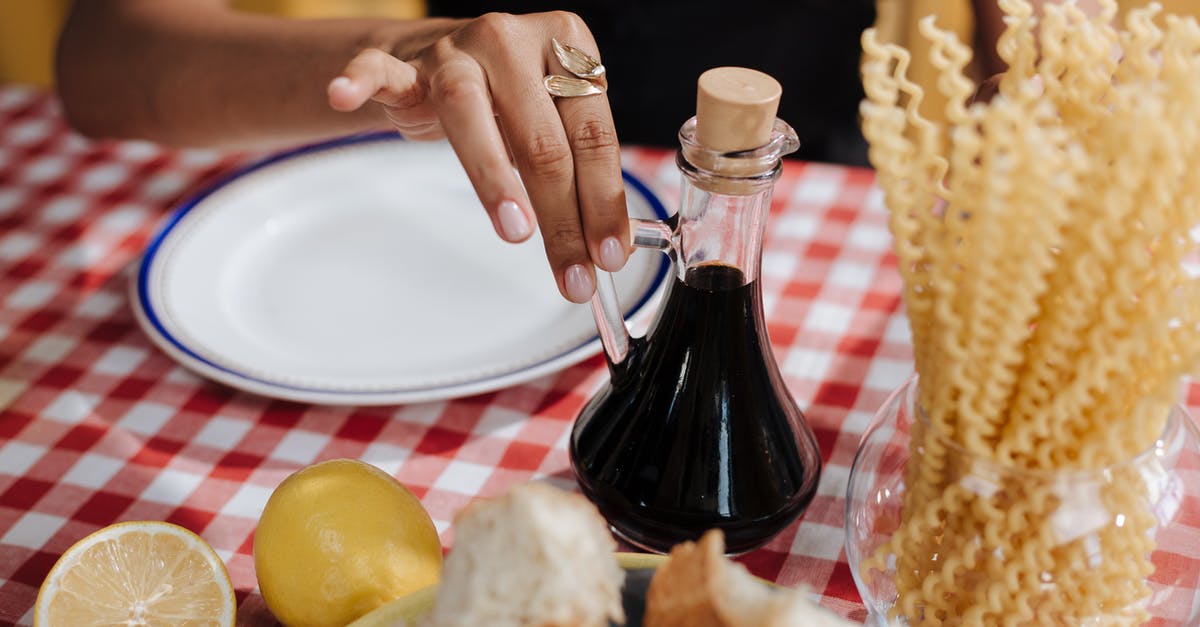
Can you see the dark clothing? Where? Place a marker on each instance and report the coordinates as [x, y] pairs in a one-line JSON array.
[[654, 50]]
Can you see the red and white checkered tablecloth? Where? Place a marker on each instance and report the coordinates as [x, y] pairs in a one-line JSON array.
[[98, 426]]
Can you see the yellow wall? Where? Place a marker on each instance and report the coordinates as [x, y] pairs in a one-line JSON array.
[[27, 32], [332, 8], [28, 28]]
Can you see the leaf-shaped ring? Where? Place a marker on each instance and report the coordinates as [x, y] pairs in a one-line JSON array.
[[589, 73], [577, 62]]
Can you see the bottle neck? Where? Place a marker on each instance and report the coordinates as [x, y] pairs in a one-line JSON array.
[[720, 228], [725, 199]]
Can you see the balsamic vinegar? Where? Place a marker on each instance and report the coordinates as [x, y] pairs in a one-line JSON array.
[[697, 429]]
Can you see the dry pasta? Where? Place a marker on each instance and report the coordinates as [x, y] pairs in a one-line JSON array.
[[1041, 239]]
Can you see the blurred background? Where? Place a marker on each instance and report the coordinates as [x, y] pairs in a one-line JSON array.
[[28, 29]]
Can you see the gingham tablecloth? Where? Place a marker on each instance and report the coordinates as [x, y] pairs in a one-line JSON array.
[[98, 426]]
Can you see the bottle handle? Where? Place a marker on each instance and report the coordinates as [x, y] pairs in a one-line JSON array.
[[606, 309]]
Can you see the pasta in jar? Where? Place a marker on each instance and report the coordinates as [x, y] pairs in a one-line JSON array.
[[1042, 239]]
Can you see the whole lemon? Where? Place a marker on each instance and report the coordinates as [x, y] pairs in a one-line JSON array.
[[338, 539]]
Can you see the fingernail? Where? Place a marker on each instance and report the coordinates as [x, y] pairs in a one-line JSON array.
[[514, 226], [340, 82], [579, 284], [612, 256]]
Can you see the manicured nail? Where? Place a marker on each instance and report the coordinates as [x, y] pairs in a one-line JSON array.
[[579, 284], [612, 256], [514, 226], [340, 82]]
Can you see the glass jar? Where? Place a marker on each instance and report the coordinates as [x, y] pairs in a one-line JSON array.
[[991, 544]]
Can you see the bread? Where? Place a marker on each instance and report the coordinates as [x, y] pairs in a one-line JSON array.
[[700, 587], [535, 557]]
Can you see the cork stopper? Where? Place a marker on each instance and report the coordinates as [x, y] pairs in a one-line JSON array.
[[735, 108]]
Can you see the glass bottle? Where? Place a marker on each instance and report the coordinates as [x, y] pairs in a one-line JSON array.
[[696, 429]]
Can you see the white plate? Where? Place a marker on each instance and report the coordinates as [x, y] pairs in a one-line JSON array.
[[364, 271]]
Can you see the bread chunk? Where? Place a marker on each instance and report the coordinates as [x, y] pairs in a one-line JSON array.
[[535, 557], [700, 587]]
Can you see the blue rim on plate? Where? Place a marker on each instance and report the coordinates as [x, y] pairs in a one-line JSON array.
[[153, 324]]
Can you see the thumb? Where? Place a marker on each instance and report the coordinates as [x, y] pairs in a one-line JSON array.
[[376, 75]]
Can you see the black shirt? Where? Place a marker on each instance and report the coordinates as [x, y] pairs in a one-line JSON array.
[[654, 50]]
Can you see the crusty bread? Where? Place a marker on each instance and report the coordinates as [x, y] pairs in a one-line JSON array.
[[700, 587], [535, 557]]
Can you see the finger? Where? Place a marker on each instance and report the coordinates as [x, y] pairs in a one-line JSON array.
[[421, 132], [507, 148], [372, 72], [460, 95], [543, 155], [601, 191], [377, 75]]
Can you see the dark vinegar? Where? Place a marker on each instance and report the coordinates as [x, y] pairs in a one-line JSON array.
[[696, 429]]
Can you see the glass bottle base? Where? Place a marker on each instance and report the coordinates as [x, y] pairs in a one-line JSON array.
[[658, 532]]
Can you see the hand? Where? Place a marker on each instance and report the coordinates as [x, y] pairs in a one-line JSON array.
[[481, 87]]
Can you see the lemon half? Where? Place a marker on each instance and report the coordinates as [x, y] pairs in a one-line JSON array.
[[338, 539], [137, 573]]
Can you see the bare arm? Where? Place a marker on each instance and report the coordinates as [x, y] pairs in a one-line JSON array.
[[194, 72]]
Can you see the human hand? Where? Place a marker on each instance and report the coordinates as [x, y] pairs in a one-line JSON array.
[[480, 86]]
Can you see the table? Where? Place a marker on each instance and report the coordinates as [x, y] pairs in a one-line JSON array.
[[98, 426]]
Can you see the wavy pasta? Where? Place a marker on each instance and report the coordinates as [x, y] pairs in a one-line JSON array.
[[1041, 239]]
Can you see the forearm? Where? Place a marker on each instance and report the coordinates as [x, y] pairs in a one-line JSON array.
[[199, 74]]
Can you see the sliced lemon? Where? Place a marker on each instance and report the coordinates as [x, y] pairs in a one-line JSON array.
[[137, 573]]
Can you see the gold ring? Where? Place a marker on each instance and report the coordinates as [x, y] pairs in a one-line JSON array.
[[588, 73]]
